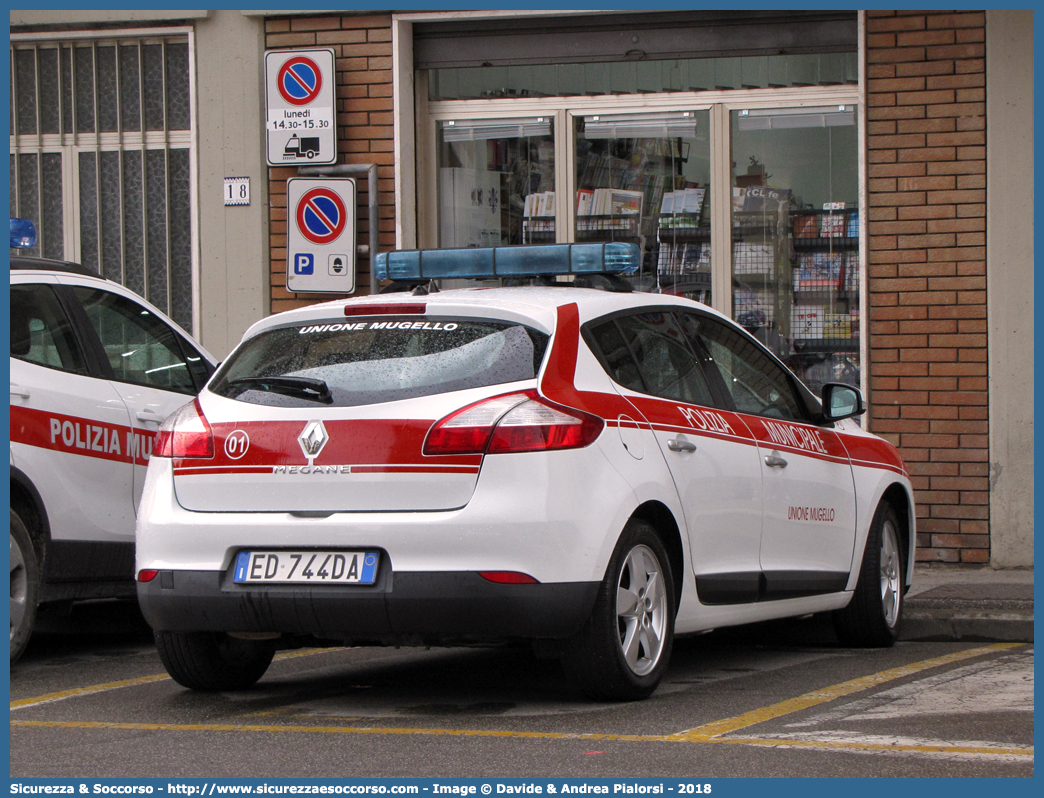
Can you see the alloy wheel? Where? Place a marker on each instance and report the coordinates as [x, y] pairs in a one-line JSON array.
[[19, 587], [891, 579], [641, 610]]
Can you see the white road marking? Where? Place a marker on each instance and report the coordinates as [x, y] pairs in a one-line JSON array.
[[892, 744], [1004, 684]]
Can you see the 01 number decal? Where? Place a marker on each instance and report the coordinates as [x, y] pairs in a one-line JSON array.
[[236, 444]]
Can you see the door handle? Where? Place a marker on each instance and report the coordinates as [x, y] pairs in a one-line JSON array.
[[676, 445], [775, 462], [18, 390], [150, 416]]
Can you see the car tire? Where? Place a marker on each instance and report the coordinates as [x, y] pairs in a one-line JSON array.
[[213, 661], [874, 615], [25, 586], [623, 649]]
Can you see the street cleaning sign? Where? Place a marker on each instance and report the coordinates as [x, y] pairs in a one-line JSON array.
[[299, 99], [320, 248]]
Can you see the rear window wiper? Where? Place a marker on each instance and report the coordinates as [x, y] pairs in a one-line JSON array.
[[301, 387]]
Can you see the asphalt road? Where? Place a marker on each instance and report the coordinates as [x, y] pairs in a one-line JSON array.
[[90, 699]]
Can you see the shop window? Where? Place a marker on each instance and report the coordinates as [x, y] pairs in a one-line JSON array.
[[795, 237], [749, 204], [645, 178], [496, 182]]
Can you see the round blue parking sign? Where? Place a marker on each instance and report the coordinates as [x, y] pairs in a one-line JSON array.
[[321, 215], [300, 80]]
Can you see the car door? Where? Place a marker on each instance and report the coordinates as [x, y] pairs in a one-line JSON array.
[[808, 533], [69, 427], [154, 369], [711, 455]]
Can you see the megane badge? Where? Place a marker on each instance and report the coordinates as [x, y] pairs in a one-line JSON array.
[[313, 439]]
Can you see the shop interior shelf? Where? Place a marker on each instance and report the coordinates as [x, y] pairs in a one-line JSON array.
[[539, 237], [671, 235], [826, 345], [835, 243], [825, 294], [744, 231], [626, 223], [701, 280]]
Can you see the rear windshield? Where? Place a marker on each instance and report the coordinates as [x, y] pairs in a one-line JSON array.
[[379, 359]]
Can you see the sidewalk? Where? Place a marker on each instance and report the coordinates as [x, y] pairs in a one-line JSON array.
[[977, 603]]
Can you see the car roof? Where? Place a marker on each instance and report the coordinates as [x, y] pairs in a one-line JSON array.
[[533, 305], [25, 262]]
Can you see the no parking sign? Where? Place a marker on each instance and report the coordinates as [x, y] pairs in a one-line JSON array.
[[299, 94], [320, 254]]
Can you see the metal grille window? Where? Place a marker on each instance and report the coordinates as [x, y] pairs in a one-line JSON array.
[[101, 153]]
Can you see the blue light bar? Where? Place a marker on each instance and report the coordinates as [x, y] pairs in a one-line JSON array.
[[23, 233], [489, 262]]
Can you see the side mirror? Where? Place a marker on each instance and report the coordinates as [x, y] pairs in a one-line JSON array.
[[23, 233], [841, 401]]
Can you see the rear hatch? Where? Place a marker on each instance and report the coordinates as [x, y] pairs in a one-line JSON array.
[[331, 415]]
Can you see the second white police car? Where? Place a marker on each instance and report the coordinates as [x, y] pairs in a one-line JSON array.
[[94, 370], [597, 470]]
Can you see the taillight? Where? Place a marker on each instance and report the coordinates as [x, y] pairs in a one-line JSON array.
[[535, 424], [147, 574], [186, 433], [517, 422], [467, 430]]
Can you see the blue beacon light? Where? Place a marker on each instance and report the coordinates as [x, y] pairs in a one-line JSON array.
[[491, 262], [23, 233]]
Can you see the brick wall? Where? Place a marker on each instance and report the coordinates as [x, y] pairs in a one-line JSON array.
[[926, 162], [363, 50]]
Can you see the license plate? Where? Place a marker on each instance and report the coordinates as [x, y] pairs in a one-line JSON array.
[[326, 567]]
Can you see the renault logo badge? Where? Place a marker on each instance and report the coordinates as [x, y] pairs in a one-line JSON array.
[[313, 439]]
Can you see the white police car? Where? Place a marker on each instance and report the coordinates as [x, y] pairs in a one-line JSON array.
[[594, 469], [94, 370]]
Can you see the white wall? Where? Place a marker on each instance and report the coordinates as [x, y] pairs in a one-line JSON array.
[[233, 240], [1009, 282]]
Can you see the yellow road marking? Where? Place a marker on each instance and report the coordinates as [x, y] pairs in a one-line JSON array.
[[22, 703], [506, 734], [709, 731], [61, 724], [61, 695]]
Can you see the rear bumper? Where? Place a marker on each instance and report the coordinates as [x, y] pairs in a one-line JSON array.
[[399, 608], [539, 515]]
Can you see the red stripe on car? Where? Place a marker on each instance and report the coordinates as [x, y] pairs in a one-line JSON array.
[[363, 442], [558, 384], [86, 437]]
